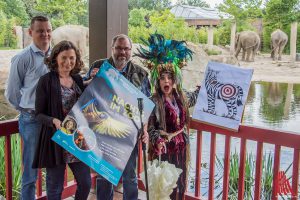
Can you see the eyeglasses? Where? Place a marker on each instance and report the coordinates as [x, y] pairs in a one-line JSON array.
[[121, 49]]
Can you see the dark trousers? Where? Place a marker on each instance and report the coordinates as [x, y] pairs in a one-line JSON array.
[[130, 189], [55, 181]]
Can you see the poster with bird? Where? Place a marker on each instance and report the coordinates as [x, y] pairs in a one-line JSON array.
[[103, 126], [223, 95]]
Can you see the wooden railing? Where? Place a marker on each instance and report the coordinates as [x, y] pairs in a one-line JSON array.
[[7, 129], [246, 133]]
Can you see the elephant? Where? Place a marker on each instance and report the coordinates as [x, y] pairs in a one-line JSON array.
[[278, 42], [249, 41], [77, 34]]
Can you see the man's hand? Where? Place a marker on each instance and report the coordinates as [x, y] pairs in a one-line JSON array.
[[94, 72], [92, 75]]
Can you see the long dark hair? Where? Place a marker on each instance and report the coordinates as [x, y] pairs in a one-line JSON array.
[[158, 96], [64, 45]]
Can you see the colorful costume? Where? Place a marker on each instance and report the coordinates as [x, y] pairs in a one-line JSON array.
[[167, 123]]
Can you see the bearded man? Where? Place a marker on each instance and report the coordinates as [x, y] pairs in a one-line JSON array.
[[120, 59]]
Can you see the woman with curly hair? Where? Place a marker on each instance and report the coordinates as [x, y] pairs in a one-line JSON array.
[[56, 93], [168, 122]]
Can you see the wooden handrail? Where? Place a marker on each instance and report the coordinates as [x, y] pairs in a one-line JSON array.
[[246, 133]]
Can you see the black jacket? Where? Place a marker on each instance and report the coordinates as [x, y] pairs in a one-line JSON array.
[[134, 73], [48, 105]]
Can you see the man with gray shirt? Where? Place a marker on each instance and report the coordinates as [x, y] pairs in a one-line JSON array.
[[26, 69]]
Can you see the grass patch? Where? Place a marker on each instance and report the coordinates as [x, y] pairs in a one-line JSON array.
[[211, 52], [6, 48]]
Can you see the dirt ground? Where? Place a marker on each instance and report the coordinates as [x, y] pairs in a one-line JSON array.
[[265, 69]]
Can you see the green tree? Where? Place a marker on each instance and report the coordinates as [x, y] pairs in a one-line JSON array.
[[165, 23], [243, 11], [198, 3], [14, 9], [64, 11], [7, 38], [149, 4], [279, 14], [29, 6], [137, 17]]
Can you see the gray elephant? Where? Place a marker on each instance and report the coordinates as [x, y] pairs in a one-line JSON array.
[[77, 34], [278, 42], [249, 41]]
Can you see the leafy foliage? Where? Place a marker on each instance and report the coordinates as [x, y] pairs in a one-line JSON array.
[[222, 33], [266, 179], [7, 38], [16, 163], [242, 11], [149, 4], [29, 7], [14, 9], [12, 13], [63, 12], [198, 3], [279, 14], [138, 17], [165, 23]]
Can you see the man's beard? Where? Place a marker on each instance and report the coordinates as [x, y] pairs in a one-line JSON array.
[[120, 63]]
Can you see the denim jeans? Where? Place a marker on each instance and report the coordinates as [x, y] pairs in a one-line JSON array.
[[55, 181], [130, 189], [29, 131]]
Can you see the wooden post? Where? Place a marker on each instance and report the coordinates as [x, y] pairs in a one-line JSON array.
[[293, 41], [107, 18], [232, 38], [210, 36]]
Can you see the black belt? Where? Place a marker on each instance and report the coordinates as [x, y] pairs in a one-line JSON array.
[[28, 110]]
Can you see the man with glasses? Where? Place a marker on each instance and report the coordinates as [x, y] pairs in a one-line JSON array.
[[120, 59]]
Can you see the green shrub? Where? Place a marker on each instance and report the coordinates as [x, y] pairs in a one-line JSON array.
[[7, 37], [16, 166], [222, 33], [165, 23], [266, 179]]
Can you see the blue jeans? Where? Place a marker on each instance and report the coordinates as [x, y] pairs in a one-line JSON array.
[[29, 130], [105, 188], [55, 181]]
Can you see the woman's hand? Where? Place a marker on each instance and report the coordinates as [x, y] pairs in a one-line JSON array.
[[56, 123], [160, 147]]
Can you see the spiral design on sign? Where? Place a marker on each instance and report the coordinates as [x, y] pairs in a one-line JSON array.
[[228, 91]]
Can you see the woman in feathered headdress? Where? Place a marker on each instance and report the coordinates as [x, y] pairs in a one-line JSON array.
[[167, 124]]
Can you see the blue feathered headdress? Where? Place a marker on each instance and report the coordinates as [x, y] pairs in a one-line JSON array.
[[164, 55]]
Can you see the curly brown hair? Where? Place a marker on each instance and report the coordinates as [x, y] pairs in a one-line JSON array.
[[64, 45]]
